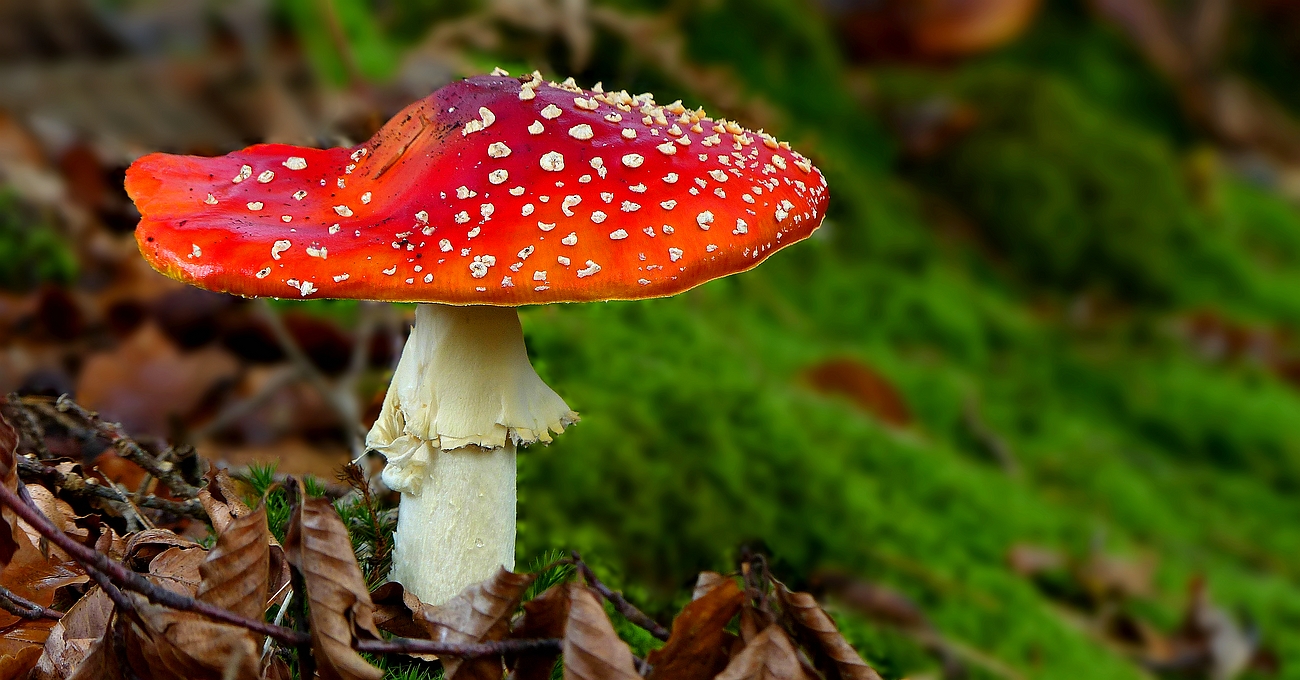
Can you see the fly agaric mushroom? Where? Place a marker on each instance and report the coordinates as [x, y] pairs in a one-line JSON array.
[[490, 193]]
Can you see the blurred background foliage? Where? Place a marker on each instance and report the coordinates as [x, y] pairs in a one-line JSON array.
[[1028, 405]]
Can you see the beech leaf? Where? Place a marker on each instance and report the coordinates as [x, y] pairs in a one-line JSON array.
[[592, 650], [221, 499], [395, 611], [697, 648], [177, 645], [480, 613], [236, 571], [545, 616], [12, 537], [177, 570], [318, 546], [72, 638], [769, 656], [819, 634]]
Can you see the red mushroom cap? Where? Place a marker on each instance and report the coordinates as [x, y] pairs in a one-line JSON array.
[[492, 190]]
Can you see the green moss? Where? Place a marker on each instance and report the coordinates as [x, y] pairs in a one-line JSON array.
[[31, 251]]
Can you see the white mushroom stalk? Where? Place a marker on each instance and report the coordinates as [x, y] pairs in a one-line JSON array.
[[463, 398]]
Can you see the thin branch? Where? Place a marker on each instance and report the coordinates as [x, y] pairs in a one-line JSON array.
[[79, 487], [621, 605], [95, 561], [24, 608], [128, 449], [460, 650], [29, 427]]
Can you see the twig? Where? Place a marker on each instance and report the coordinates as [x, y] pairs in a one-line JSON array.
[[238, 410], [24, 608], [95, 561], [621, 605], [78, 487], [128, 449], [460, 650], [29, 427]]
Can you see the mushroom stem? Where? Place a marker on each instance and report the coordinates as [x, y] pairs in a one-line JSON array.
[[462, 398]]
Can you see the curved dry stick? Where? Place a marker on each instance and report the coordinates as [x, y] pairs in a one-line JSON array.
[[24, 608], [621, 605]]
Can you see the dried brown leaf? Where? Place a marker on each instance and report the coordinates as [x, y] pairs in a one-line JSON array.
[[73, 637], [236, 570], [172, 644], [12, 537], [545, 616], [319, 548], [480, 613], [834, 655], [697, 649], [177, 570], [395, 611], [221, 499], [705, 582], [769, 656], [143, 546], [592, 650]]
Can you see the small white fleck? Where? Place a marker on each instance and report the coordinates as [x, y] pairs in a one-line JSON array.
[[637, 188], [704, 219], [552, 161], [741, 227], [299, 194], [263, 272], [778, 161], [334, 229], [599, 217], [633, 160], [644, 282], [571, 239], [254, 205], [747, 198], [296, 163], [365, 198], [498, 150], [563, 260], [286, 218], [316, 251], [498, 176], [551, 112], [422, 217], [667, 148], [674, 254], [590, 269], [506, 282], [710, 248], [517, 191], [196, 252], [567, 205], [343, 210], [668, 204], [585, 179], [444, 245], [628, 133], [719, 192], [473, 232], [486, 210], [245, 172], [462, 217], [581, 132], [527, 209], [536, 128], [546, 226], [528, 250], [618, 235], [266, 176], [671, 178], [629, 206], [668, 228], [539, 275], [210, 200], [428, 278], [718, 175], [606, 196]]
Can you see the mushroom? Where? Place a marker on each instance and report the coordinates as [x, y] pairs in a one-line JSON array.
[[491, 193]]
